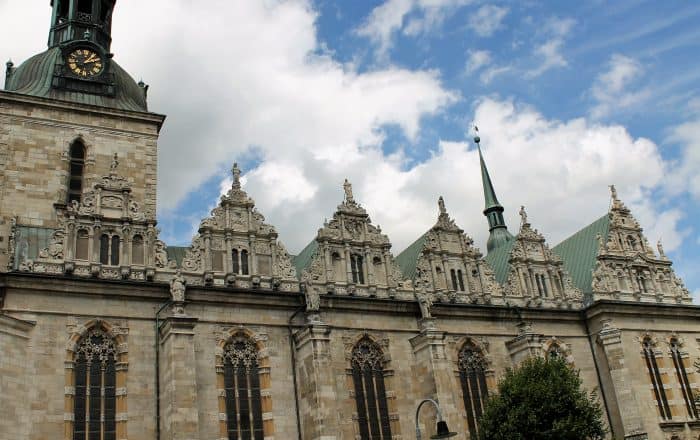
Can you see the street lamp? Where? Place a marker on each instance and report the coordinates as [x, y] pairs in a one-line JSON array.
[[442, 430]]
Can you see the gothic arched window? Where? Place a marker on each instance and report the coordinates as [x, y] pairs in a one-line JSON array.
[[370, 393], [244, 418], [77, 169], [94, 407], [683, 379], [472, 375], [655, 377]]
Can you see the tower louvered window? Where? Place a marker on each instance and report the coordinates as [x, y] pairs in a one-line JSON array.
[[77, 168], [370, 392], [95, 384], [682, 376], [655, 377], [242, 385], [472, 375]]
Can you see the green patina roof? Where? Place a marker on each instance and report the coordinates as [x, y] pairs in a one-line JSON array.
[[408, 259], [498, 260], [34, 78], [303, 260], [580, 250], [177, 253]]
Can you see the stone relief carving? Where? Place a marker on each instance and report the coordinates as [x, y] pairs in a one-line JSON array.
[[56, 247]]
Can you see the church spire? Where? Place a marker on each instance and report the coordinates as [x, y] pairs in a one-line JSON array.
[[493, 210]]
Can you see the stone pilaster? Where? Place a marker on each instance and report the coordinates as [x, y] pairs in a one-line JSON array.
[[626, 416], [179, 417], [434, 378], [526, 344], [317, 394]]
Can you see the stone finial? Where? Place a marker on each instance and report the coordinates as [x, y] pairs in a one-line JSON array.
[[424, 301], [236, 176], [441, 205], [114, 165], [347, 187], [523, 216], [613, 192], [601, 242]]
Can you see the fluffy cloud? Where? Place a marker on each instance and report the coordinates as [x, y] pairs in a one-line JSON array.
[[487, 20], [611, 88], [686, 175], [476, 59], [549, 52], [387, 19]]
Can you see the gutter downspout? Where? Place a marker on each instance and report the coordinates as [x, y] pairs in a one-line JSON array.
[[292, 348], [160, 310], [597, 372]]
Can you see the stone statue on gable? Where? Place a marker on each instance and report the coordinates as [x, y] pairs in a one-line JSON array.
[[424, 301], [177, 293]]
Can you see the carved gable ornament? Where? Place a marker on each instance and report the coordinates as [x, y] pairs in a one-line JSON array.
[[235, 247]]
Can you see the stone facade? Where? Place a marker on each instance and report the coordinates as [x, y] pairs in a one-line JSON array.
[[308, 328]]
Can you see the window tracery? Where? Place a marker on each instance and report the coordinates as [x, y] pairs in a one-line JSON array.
[[648, 350], [367, 361], [472, 374], [242, 389]]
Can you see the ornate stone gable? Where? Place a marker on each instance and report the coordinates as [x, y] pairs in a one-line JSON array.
[[106, 235], [451, 268], [353, 256], [537, 277], [235, 247], [627, 267]]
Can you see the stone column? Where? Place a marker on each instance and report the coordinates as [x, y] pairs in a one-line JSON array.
[[625, 415], [317, 390], [437, 381], [179, 417]]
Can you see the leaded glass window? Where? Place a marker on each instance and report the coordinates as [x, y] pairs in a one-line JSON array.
[[242, 385], [95, 383], [370, 391], [472, 375], [77, 168], [683, 379], [655, 377]]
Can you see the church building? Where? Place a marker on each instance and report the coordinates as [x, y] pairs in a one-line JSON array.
[[108, 333]]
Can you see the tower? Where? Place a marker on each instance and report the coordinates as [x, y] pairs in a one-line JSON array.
[[64, 114], [493, 210]]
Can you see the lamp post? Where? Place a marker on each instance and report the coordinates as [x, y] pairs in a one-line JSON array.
[[442, 429]]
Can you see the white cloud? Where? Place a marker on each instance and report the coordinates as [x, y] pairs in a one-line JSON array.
[[611, 88], [384, 22], [487, 19], [686, 173], [549, 53], [476, 59], [492, 72]]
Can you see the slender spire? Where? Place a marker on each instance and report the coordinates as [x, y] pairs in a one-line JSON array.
[[493, 210]]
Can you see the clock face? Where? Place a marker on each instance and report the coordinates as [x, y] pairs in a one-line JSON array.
[[85, 63]]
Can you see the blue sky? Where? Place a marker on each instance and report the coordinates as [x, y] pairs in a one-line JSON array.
[[569, 97]]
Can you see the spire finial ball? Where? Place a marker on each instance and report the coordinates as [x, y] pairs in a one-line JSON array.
[[477, 139]]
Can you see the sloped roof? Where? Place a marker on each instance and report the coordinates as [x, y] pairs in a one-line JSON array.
[[35, 76], [303, 260], [498, 260], [408, 259], [579, 252], [177, 253]]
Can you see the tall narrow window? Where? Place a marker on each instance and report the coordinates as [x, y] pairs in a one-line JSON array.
[[472, 376], [453, 275], [655, 376], [77, 168], [244, 262], [370, 392], [538, 280], [82, 242], [683, 379], [356, 267], [242, 385], [460, 278], [235, 267], [95, 380], [114, 252], [544, 285], [104, 249], [137, 250]]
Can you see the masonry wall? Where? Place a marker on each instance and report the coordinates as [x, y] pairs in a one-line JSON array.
[[35, 138]]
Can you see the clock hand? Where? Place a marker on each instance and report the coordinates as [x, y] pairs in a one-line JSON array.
[[91, 59]]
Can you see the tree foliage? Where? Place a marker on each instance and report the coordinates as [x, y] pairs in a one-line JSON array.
[[542, 400]]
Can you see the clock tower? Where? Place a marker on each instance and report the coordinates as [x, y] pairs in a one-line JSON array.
[[64, 115]]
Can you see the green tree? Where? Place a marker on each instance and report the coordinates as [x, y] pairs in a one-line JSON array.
[[542, 400]]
